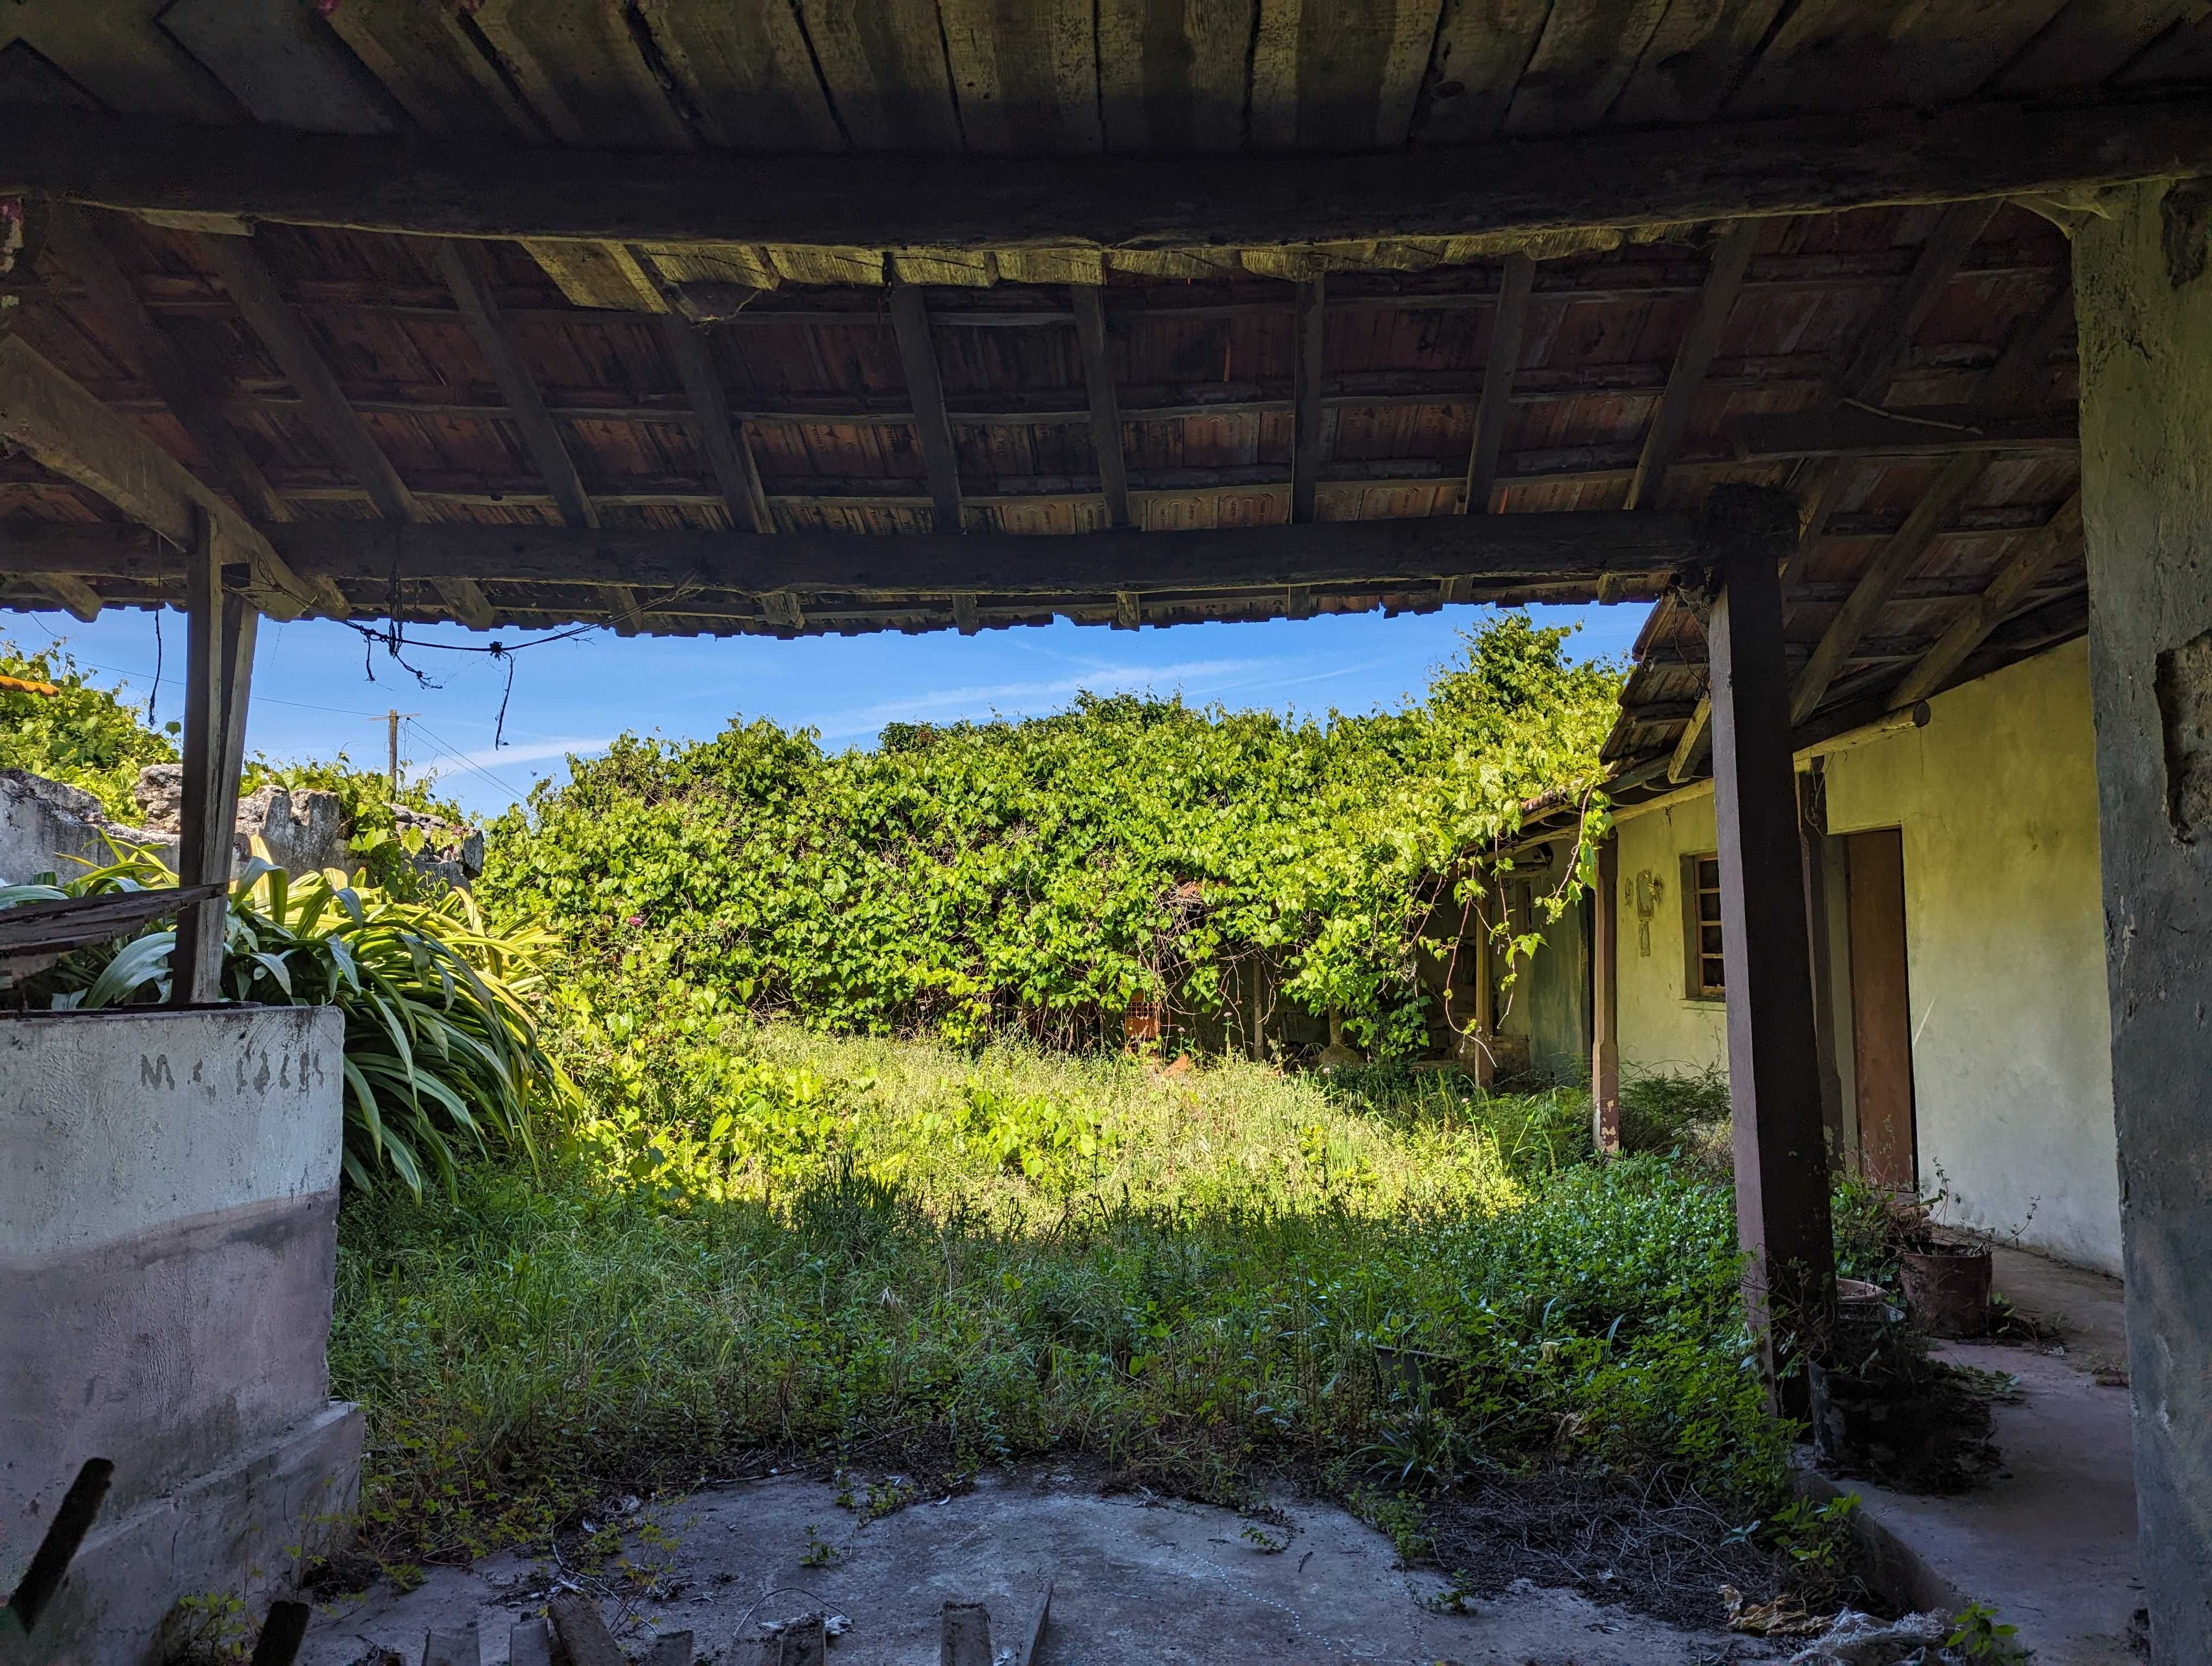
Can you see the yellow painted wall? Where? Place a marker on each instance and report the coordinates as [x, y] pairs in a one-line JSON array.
[[1661, 1027], [1997, 800], [2004, 949]]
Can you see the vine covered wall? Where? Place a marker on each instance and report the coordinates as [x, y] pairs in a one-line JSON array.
[[1048, 876]]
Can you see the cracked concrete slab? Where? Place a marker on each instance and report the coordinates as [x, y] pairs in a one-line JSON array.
[[1136, 1578]]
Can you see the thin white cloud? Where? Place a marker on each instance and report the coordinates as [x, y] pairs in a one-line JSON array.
[[486, 757], [982, 699]]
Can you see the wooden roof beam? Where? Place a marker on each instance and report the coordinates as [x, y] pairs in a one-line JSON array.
[[1670, 420], [2020, 371], [1508, 323], [467, 186], [1570, 551], [1884, 343], [462, 266], [1105, 406], [1310, 336], [2007, 591], [255, 288], [77, 243], [68, 431], [926, 384]]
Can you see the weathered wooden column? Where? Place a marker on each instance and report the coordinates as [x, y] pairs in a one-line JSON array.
[[1604, 998], [2144, 299], [1774, 1089], [219, 635]]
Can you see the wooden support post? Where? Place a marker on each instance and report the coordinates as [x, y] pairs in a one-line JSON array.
[[1310, 346], [219, 638], [1604, 998], [1774, 1091]]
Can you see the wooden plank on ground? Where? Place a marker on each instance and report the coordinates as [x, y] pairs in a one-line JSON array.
[[965, 1638], [583, 1633]]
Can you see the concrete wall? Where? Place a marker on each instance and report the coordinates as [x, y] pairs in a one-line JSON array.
[[1997, 802], [49, 827], [2144, 300], [169, 1185]]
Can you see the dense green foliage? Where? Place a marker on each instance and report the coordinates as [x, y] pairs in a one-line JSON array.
[[83, 735], [89, 737], [915, 1256], [1043, 877], [442, 1059]]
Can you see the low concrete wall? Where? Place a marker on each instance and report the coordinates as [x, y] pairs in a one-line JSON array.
[[169, 1181]]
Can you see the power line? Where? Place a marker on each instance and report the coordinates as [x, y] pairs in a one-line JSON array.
[[464, 762]]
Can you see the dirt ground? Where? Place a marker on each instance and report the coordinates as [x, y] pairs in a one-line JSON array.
[[1135, 1578]]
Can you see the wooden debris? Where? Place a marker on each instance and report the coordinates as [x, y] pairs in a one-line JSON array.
[[285, 1628], [967, 1638], [530, 1643], [1033, 1632], [673, 1649], [803, 1642], [463, 1647], [584, 1634]]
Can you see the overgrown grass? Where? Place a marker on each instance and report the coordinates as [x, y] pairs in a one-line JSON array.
[[767, 1240]]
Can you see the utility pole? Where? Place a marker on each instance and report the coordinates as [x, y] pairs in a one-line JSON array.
[[392, 720]]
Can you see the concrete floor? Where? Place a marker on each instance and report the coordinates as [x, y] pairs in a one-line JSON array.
[[2050, 1543], [1134, 1579]]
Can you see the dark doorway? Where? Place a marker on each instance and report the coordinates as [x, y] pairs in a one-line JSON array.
[[1881, 1012]]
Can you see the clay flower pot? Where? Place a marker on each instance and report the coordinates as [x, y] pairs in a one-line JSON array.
[[1946, 1287]]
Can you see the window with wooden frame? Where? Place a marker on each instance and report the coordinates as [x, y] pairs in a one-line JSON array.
[[1701, 926]]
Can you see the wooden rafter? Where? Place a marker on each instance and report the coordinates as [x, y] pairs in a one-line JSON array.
[[1507, 325], [471, 188], [78, 245], [2007, 592], [925, 386], [261, 301], [2016, 375], [463, 267], [1883, 345], [68, 431], [1670, 421], [1310, 336], [1104, 406], [1928, 431]]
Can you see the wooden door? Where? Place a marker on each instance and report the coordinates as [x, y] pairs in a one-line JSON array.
[[1882, 1011]]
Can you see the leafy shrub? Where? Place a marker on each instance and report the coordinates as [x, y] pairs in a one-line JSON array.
[[1043, 878], [1675, 1110], [441, 1056], [84, 736]]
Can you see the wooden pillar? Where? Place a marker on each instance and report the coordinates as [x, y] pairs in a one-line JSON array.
[[219, 636], [1478, 1050], [1774, 1091], [1812, 858], [1604, 998]]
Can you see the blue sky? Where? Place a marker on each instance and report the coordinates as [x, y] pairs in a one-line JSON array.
[[313, 697]]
